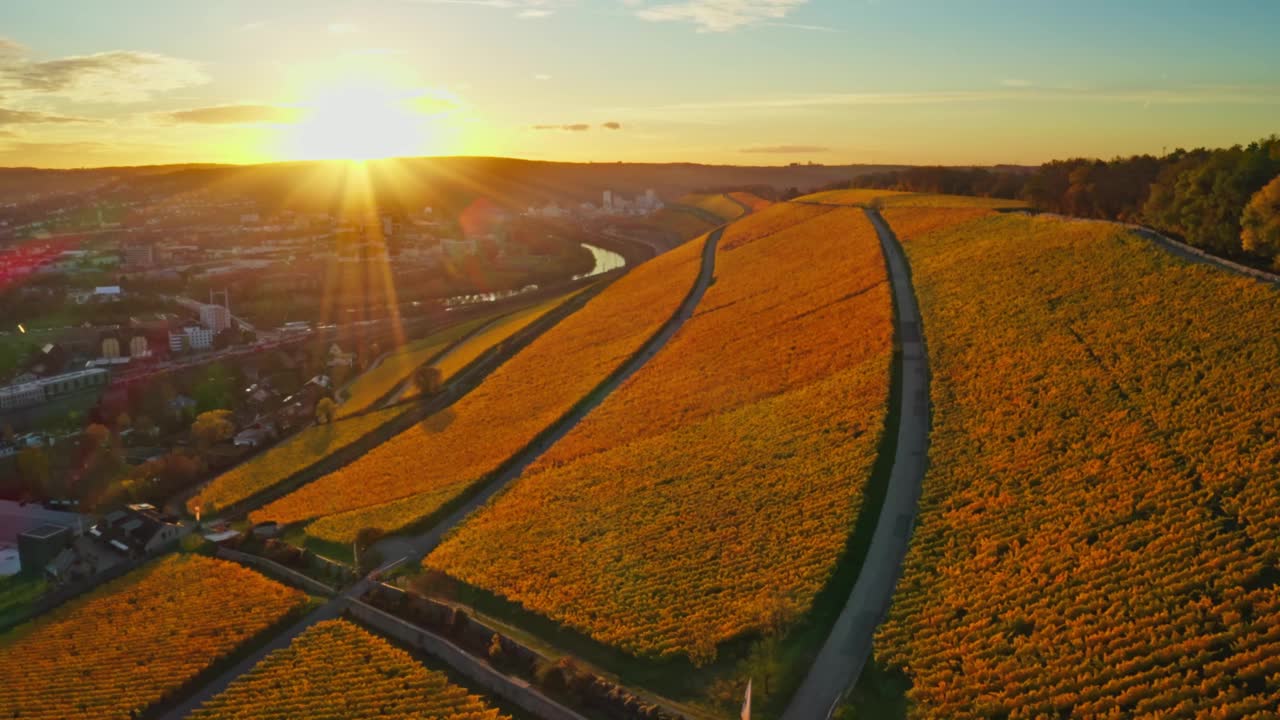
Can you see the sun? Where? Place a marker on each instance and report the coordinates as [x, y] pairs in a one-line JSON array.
[[363, 120]]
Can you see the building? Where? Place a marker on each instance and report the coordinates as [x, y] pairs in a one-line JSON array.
[[191, 337], [107, 293], [42, 390], [215, 317], [39, 546], [608, 200], [136, 530], [21, 395], [458, 248], [140, 255]]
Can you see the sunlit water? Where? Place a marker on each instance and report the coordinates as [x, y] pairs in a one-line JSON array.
[[606, 261]]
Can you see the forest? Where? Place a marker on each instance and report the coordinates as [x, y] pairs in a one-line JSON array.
[[1225, 201]]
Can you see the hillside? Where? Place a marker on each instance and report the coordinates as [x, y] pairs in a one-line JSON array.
[[1097, 532], [461, 445], [765, 412], [402, 185]]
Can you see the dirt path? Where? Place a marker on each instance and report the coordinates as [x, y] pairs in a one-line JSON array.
[[849, 645]]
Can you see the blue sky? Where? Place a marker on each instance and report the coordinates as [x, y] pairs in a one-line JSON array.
[[736, 81]]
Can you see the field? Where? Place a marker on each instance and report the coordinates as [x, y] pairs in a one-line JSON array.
[[437, 460], [496, 332], [718, 204], [713, 494], [681, 223], [1098, 532], [278, 464], [398, 366], [894, 198], [337, 670], [133, 641], [755, 202]]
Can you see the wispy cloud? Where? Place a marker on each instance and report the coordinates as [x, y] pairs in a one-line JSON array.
[[1233, 95], [612, 125], [30, 117], [570, 127], [716, 15], [523, 8], [236, 115], [342, 28], [116, 76], [786, 150]]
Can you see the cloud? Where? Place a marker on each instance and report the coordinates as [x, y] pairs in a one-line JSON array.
[[24, 117], [116, 76], [716, 15], [342, 28], [1015, 83], [236, 115], [523, 8], [542, 76], [786, 149], [579, 127], [571, 127]]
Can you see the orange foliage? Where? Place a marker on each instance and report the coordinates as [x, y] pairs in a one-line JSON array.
[[720, 482], [337, 670], [441, 457], [129, 643], [1100, 525], [751, 200]]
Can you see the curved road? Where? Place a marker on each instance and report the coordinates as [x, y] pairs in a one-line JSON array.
[[849, 645], [413, 549]]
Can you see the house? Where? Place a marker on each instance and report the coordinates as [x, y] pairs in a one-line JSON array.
[[107, 293], [337, 357], [136, 530], [255, 436]]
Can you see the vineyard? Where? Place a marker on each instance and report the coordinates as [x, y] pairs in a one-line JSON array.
[[134, 641], [399, 365], [415, 473], [337, 670], [1098, 532], [894, 198], [718, 204], [281, 462], [495, 333], [764, 414], [755, 202]]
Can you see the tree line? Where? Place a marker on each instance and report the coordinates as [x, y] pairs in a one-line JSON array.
[[1225, 201]]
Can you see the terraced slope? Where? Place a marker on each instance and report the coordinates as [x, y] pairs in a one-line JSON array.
[[421, 470], [283, 461], [337, 670], [494, 333], [1098, 533], [136, 640], [399, 365], [713, 494]]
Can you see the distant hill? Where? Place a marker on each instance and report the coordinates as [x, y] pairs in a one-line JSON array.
[[446, 183]]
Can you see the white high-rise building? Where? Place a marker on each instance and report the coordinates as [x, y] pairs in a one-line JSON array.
[[650, 199], [608, 200], [215, 317]]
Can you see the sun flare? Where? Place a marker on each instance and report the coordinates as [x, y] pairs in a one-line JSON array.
[[363, 120]]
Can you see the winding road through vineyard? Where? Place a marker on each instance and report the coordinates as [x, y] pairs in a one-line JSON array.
[[849, 644]]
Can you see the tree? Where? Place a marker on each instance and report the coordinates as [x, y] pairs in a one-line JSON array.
[[1261, 221], [429, 379], [325, 410], [123, 422], [366, 558], [33, 466], [211, 428]]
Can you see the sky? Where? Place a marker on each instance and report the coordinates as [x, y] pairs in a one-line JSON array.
[[744, 82]]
